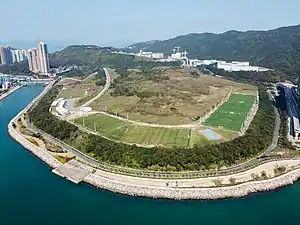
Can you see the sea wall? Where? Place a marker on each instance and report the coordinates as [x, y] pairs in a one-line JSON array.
[[193, 193], [39, 152]]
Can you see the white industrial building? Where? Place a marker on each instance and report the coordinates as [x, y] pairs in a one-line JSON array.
[[227, 66], [177, 55], [151, 55], [239, 66]]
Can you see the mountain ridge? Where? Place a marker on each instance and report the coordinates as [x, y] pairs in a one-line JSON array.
[[277, 48]]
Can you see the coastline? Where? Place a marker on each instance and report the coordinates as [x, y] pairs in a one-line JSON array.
[[135, 187], [235, 191], [202, 193], [3, 96]]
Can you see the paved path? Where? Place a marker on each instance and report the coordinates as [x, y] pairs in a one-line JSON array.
[[89, 76], [107, 85]]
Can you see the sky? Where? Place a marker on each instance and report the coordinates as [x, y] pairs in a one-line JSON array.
[[124, 21]]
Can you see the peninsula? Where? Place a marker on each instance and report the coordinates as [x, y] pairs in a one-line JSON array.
[[258, 174], [146, 124]]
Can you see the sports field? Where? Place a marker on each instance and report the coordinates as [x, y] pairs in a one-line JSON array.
[[232, 114], [127, 132]]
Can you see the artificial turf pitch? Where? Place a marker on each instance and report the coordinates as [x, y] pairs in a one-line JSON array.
[[232, 114]]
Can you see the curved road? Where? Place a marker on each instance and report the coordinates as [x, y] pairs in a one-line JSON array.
[[107, 85]]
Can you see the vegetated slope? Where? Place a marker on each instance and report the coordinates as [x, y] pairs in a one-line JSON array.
[[139, 46], [88, 55], [88, 59], [91, 58], [20, 68], [276, 49]]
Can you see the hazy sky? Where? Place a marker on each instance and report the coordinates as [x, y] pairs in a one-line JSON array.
[[106, 21]]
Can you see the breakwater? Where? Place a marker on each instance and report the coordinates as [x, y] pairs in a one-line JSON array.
[[39, 152], [234, 191]]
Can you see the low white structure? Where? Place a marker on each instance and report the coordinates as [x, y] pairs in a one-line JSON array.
[[239, 66], [60, 107], [54, 103], [152, 55], [227, 66]]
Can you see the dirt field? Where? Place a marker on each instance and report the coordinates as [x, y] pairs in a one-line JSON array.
[[168, 96]]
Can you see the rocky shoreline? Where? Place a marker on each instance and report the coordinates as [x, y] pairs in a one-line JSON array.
[[215, 193], [116, 186]]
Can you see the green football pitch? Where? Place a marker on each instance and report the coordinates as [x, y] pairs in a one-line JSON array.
[[128, 132], [232, 114]]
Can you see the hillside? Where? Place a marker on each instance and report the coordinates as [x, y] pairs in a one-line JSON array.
[[139, 46], [88, 59], [278, 48], [20, 68]]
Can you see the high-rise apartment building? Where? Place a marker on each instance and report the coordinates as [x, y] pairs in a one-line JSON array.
[[18, 55], [30, 59], [35, 61], [5, 55], [2, 56], [44, 66], [38, 59]]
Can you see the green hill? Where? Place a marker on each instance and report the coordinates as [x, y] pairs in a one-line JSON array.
[[277, 49], [88, 59]]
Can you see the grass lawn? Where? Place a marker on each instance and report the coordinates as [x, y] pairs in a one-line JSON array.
[[232, 114], [156, 136], [127, 132], [105, 125], [198, 139]]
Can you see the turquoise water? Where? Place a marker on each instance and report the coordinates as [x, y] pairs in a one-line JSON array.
[[30, 194]]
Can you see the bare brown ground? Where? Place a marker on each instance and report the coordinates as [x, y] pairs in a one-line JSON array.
[[179, 100]]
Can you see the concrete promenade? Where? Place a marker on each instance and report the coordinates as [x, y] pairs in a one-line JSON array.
[[234, 191]]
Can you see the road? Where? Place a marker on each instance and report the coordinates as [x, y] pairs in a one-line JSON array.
[[276, 130], [69, 105], [89, 76], [107, 85]]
